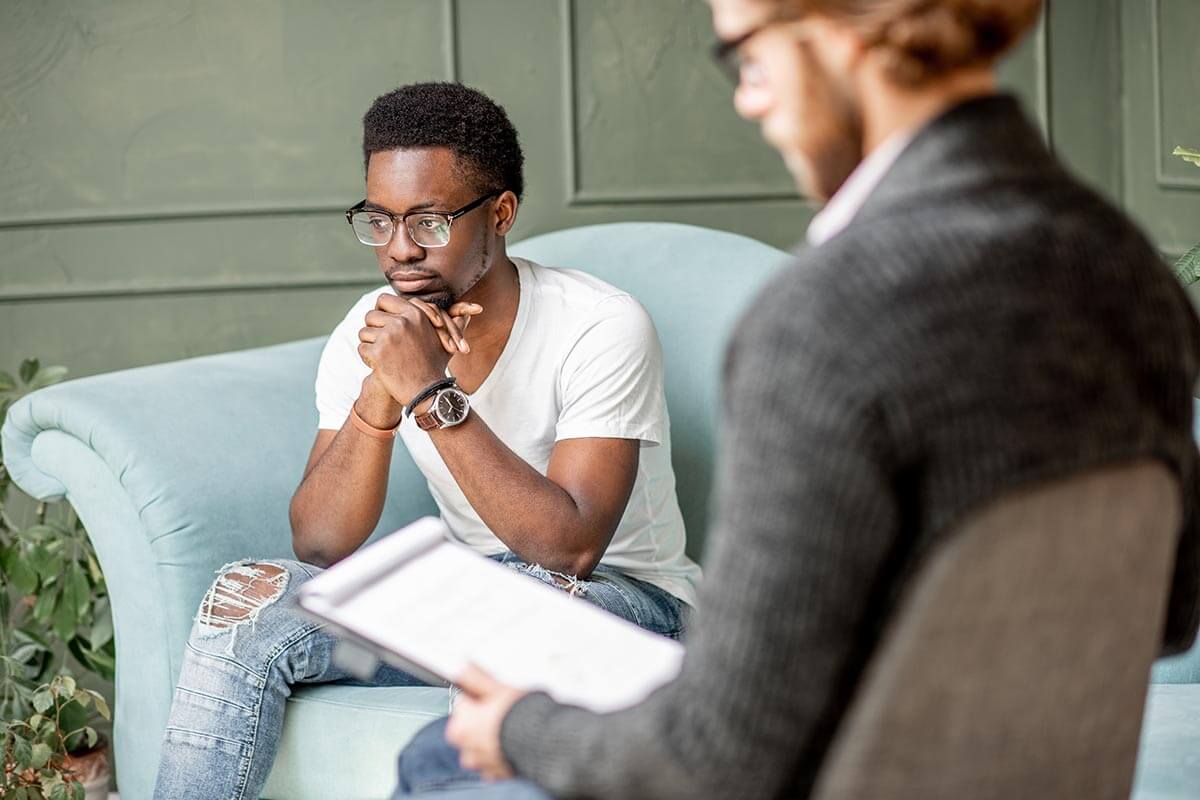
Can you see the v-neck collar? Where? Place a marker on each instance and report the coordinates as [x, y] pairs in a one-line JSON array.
[[524, 281]]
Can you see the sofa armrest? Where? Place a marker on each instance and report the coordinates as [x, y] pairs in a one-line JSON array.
[[176, 469], [207, 451]]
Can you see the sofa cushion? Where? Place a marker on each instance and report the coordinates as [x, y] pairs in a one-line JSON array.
[[342, 741], [1169, 756]]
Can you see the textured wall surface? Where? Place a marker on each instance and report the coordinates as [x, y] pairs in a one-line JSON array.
[[1161, 60], [172, 172]]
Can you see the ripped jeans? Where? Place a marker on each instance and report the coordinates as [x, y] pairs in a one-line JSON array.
[[249, 646]]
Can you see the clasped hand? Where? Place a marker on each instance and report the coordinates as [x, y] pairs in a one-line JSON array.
[[408, 343]]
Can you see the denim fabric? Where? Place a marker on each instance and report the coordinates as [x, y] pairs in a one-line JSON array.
[[428, 768], [227, 711], [643, 604]]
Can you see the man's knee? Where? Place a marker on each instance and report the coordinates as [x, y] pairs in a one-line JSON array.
[[240, 593]]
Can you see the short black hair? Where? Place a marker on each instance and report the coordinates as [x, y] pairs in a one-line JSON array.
[[464, 120]]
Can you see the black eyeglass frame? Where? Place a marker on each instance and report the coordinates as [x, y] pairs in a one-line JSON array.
[[398, 219], [723, 49]]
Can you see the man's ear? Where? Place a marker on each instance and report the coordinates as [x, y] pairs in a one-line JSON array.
[[505, 212], [838, 47]]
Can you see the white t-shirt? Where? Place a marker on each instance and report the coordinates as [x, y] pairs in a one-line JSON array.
[[583, 360]]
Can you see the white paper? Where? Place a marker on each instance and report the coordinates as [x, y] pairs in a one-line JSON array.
[[447, 606]]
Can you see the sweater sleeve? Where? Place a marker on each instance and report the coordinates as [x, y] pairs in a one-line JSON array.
[[806, 519]]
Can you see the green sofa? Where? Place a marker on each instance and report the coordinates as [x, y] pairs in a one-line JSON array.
[[179, 468], [1169, 758]]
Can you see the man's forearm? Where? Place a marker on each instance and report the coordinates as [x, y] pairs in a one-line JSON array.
[[535, 517], [341, 497]]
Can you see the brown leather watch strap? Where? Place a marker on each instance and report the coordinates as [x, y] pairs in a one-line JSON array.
[[427, 421]]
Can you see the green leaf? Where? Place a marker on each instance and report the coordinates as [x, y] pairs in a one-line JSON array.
[[24, 578], [65, 618], [55, 787], [47, 376], [40, 755], [102, 630], [55, 567], [66, 685], [61, 791], [80, 590], [22, 752], [94, 570], [102, 705], [43, 609], [7, 382], [91, 737], [29, 368], [46, 533], [31, 635], [26, 651], [1187, 154], [101, 661], [1187, 268], [48, 732], [42, 562], [42, 701]]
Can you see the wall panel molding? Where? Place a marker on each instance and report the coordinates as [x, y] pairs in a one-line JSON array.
[[453, 49], [18, 294], [1161, 176], [171, 211], [225, 211], [578, 196]]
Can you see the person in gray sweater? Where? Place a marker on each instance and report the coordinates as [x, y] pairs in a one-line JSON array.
[[966, 318]]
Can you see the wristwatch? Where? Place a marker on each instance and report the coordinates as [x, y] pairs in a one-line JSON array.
[[450, 407]]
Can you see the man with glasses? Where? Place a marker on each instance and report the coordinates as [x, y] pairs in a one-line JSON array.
[[541, 429], [965, 320]]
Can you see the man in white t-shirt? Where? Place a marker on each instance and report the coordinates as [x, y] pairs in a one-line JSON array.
[[530, 398]]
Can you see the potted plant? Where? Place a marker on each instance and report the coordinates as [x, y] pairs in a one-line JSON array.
[[53, 601], [53, 753], [1187, 269]]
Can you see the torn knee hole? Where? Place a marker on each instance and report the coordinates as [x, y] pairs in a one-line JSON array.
[[240, 592], [571, 584]]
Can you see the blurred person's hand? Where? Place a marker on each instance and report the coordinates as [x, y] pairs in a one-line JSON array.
[[474, 726]]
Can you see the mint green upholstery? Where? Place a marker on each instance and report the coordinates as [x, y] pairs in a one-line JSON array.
[[1169, 759], [177, 469]]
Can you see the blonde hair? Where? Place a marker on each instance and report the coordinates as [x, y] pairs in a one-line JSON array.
[[920, 40]]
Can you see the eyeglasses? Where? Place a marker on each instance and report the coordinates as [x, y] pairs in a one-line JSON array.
[[376, 228], [728, 56]]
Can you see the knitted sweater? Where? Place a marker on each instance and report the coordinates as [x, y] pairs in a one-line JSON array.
[[984, 322]]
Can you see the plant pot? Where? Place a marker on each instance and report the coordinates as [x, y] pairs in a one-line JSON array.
[[92, 770]]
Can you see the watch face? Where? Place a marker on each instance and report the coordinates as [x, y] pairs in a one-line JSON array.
[[451, 406]]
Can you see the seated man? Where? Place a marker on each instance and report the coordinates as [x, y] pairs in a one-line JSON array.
[[543, 436]]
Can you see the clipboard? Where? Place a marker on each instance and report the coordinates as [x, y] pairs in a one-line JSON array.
[[431, 606]]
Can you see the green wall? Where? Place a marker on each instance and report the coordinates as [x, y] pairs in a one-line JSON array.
[[172, 173]]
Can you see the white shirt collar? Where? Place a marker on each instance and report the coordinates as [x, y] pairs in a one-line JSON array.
[[850, 198]]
